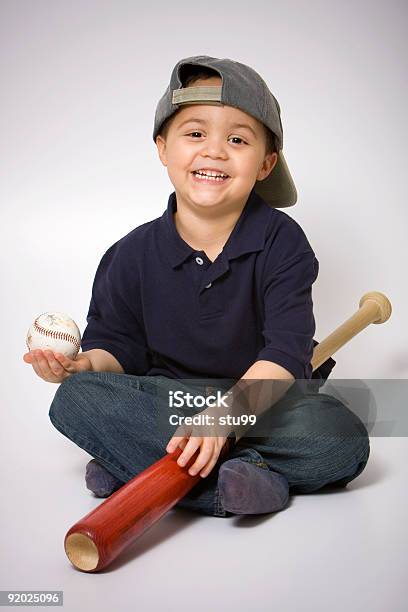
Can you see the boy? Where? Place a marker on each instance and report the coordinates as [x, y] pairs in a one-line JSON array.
[[218, 286]]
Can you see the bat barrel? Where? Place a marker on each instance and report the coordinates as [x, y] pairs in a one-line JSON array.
[[100, 536]]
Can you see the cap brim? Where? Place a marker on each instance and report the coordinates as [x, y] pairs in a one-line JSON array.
[[278, 189]]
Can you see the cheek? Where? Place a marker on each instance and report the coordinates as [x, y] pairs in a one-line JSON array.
[[181, 157], [247, 167], [176, 173]]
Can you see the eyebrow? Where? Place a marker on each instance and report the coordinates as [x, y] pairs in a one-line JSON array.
[[234, 125]]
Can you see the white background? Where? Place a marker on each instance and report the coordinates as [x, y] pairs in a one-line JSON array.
[[80, 81]]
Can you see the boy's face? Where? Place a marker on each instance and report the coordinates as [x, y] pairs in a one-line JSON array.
[[208, 136]]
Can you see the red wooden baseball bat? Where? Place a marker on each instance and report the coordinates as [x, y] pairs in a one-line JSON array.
[[100, 536]]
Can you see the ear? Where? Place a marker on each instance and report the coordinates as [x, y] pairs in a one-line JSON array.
[[161, 148], [268, 165]]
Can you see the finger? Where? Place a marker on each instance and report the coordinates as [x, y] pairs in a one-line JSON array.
[[43, 364], [44, 368], [36, 369], [210, 465], [189, 451], [181, 433], [207, 452], [173, 443], [217, 448], [65, 362], [54, 365]]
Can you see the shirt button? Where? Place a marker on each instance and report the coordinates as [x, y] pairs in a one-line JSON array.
[[199, 260], [208, 286]]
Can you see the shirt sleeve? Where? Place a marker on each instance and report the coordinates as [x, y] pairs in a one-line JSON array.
[[289, 323], [112, 321]]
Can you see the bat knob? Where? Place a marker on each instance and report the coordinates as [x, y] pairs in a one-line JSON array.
[[382, 302]]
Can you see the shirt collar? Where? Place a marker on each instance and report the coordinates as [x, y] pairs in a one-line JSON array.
[[247, 236]]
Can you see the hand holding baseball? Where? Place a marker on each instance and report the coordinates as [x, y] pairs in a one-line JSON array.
[[53, 341], [55, 367]]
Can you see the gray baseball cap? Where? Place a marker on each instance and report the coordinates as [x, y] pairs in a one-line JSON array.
[[242, 87]]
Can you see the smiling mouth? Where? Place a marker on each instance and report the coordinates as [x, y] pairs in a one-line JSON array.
[[209, 180]]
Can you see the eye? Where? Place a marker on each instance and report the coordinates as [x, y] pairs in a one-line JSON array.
[[235, 137], [238, 138]]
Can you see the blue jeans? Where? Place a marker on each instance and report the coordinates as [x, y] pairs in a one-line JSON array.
[[114, 417]]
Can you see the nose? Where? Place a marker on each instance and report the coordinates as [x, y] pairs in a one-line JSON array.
[[214, 146]]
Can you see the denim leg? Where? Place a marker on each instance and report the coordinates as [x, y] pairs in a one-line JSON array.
[[118, 419], [314, 440], [109, 416]]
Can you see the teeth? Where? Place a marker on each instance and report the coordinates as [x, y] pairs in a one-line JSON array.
[[210, 173], [203, 177]]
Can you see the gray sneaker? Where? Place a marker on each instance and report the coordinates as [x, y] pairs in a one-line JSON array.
[[246, 488], [99, 480]]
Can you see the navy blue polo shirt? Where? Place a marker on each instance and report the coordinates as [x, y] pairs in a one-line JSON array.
[[163, 308]]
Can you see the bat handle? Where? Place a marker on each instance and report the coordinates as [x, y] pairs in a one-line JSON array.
[[374, 307]]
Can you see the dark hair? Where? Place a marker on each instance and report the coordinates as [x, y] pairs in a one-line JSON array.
[[189, 75]]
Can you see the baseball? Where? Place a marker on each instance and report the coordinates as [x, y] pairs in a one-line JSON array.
[[55, 331]]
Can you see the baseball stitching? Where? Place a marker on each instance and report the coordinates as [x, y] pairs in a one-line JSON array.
[[56, 334]]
